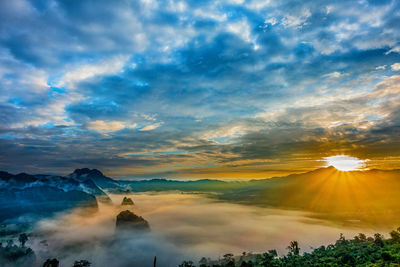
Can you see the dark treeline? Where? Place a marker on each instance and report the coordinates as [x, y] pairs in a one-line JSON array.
[[359, 251], [12, 254]]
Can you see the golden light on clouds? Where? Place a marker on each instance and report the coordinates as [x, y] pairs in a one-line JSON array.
[[346, 163]]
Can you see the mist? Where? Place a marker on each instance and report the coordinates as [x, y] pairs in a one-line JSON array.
[[183, 226]]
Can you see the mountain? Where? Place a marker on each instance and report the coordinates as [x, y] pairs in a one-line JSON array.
[[127, 220], [41, 200], [127, 201], [90, 187], [40, 194], [204, 185], [369, 196], [356, 195], [96, 176]]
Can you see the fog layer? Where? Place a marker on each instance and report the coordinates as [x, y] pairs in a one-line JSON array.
[[183, 226]]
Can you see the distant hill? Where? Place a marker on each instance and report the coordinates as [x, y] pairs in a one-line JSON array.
[[96, 176], [369, 196], [42, 194], [41, 200], [204, 185], [360, 195]]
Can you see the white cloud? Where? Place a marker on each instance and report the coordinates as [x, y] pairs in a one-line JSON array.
[[271, 21], [36, 80], [329, 9], [296, 20], [104, 126], [84, 72], [381, 67], [388, 87], [132, 126], [334, 75], [151, 127], [210, 14], [229, 132], [395, 49], [395, 66], [258, 4], [241, 29]]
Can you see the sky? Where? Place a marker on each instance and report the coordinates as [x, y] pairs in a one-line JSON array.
[[198, 89]]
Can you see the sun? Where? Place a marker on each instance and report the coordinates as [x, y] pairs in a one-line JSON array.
[[345, 163]]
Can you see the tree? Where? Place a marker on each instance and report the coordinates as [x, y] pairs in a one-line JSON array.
[[51, 263], [378, 240], [82, 263], [22, 239], [10, 243], [360, 238], [294, 248], [395, 235], [359, 251], [203, 262], [186, 264], [267, 259], [247, 264], [229, 261]]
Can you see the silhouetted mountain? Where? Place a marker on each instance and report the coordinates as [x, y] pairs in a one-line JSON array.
[[354, 195], [127, 201], [205, 185], [41, 200], [96, 176], [24, 180], [127, 220], [39, 194], [363, 195]]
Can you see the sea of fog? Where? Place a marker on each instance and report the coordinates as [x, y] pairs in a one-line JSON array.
[[183, 226]]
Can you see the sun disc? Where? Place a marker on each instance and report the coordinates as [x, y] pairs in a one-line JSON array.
[[345, 163]]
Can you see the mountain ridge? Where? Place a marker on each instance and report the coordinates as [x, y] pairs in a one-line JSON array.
[[40, 194]]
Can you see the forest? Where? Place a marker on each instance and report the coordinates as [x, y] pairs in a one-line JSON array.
[[360, 251]]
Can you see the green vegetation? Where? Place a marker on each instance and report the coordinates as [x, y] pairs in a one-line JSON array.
[[17, 255], [359, 251]]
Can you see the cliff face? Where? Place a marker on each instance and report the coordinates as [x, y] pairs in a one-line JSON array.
[[127, 220]]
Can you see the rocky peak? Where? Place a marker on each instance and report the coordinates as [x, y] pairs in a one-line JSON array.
[[127, 220], [127, 201], [87, 172]]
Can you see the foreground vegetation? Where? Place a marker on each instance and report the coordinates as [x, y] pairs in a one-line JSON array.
[[359, 251]]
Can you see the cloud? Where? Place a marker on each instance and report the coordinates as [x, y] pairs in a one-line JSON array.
[[334, 75], [395, 66], [183, 226], [102, 68], [106, 126], [238, 82], [151, 127], [395, 49], [240, 28], [296, 20]]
